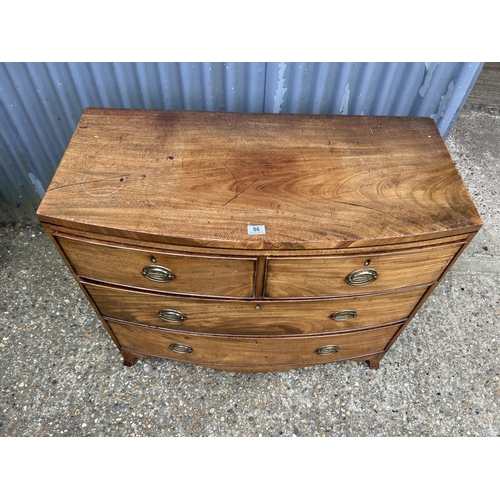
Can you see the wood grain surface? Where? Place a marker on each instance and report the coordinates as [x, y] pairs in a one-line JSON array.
[[326, 276], [254, 317], [208, 275], [313, 181], [251, 351], [151, 245], [373, 360]]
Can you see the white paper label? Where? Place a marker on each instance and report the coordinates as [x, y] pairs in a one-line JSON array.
[[256, 229]]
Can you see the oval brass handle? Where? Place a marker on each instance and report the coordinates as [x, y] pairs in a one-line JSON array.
[[361, 277], [171, 315], [181, 348], [343, 315], [157, 273], [327, 349]]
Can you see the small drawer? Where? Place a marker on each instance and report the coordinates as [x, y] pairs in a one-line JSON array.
[[254, 317], [168, 272], [251, 351], [351, 275]]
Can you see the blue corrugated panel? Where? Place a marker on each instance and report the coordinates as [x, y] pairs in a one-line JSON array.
[[40, 103], [437, 90]]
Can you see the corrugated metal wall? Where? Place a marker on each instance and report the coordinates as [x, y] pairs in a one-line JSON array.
[[41, 103]]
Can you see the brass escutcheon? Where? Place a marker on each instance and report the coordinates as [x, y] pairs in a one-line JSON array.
[[171, 315], [158, 273]]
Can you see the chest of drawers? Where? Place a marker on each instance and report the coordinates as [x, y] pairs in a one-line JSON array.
[[254, 242]]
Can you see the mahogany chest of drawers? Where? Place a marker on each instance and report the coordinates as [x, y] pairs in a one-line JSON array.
[[256, 242]]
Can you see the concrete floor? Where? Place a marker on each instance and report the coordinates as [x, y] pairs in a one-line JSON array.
[[61, 375]]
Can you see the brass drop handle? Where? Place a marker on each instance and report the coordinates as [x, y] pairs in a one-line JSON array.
[[158, 273], [171, 315], [343, 315], [181, 348], [327, 349], [361, 277]]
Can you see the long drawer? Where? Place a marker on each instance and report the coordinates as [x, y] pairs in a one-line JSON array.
[[251, 351], [254, 317], [171, 272], [347, 275]]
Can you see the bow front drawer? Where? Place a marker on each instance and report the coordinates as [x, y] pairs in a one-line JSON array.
[[252, 351], [350, 275], [168, 272], [290, 317]]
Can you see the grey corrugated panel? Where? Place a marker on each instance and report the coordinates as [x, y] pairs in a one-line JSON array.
[[40, 103]]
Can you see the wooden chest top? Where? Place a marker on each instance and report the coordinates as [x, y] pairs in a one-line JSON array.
[[313, 181]]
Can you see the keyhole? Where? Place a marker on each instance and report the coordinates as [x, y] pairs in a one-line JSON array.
[[367, 263], [153, 258]]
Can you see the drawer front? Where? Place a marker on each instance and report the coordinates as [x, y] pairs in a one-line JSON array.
[[254, 317], [252, 351], [330, 276], [197, 275]]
